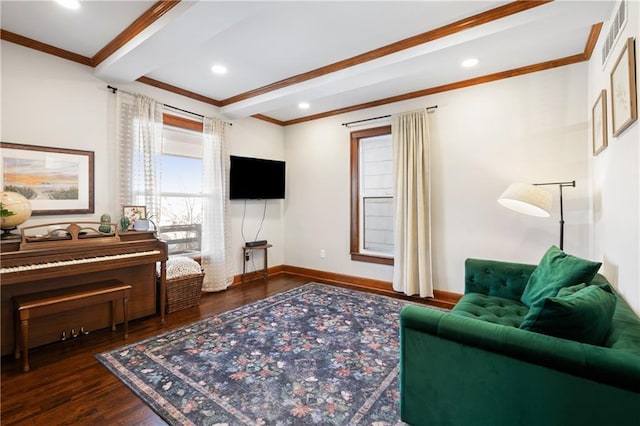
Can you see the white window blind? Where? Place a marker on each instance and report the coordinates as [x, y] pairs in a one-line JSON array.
[[376, 194]]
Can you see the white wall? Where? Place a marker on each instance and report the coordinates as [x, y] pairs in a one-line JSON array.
[[256, 138], [615, 176], [530, 128], [54, 102]]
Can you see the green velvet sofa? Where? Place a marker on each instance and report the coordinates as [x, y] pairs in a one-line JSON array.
[[474, 366]]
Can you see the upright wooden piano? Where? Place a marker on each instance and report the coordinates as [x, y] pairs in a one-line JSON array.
[[73, 255]]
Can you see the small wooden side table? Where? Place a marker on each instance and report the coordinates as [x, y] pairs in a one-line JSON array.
[[246, 250]]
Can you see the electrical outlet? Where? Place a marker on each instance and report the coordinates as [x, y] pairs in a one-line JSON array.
[[323, 254]]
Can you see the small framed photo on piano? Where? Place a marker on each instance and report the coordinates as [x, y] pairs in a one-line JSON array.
[[134, 213], [54, 180]]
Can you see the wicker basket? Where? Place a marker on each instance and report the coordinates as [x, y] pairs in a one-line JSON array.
[[184, 292]]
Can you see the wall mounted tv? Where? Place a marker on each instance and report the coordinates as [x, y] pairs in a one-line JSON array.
[[256, 178]]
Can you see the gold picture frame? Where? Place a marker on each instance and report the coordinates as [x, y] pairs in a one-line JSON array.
[[599, 123], [624, 103]]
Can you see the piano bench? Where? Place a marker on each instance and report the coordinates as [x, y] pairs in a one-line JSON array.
[[36, 305]]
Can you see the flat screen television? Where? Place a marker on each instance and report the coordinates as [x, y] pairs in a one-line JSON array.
[[256, 178]]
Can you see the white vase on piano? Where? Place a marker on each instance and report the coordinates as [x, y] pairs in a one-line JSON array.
[[141, 225]]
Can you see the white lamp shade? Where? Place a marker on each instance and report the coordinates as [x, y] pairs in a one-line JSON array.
[[526, 198]]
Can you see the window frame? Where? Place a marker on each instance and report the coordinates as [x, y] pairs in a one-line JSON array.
[[184, 123], [355, 251], [195, 126]]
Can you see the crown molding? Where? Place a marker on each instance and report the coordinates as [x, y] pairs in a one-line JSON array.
[[444, 31], [269, 119], [555, 63], [592, 40], [43, 47], [162, 7], [175, 89], [145, 20]]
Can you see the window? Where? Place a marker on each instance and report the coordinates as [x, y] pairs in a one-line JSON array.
[[372, 196], [181, 207]]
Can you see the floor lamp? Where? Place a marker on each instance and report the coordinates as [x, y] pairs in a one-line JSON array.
[[530, 199]]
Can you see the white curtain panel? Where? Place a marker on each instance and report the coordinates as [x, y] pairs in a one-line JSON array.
[[216, 238], [412, 270], [139, 150], [139, 153]]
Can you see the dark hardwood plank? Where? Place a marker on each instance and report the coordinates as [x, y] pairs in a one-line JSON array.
[[67, 385]]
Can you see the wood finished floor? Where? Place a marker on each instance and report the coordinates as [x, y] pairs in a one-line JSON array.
[[67, 385]]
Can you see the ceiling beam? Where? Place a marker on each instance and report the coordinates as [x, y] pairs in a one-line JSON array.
[[179, 91], [592, 40], [407, 43], [555, 63], [145, 20], [269, 119], [162, 7]]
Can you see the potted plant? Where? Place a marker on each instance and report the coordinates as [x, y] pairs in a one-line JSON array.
[[142, 221]]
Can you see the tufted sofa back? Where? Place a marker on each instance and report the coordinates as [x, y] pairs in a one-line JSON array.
[[496, 278], [508, 280]]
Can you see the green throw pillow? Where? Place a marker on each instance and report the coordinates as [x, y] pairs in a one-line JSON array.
[[584, 315], [555, 271], [565, 291]]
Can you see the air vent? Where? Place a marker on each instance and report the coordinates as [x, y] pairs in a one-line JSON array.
[[617, 24]]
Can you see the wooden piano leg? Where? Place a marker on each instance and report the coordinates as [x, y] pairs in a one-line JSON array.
[[113, 315], [16, 334], [125, 308], [163, 290], [24, 334]]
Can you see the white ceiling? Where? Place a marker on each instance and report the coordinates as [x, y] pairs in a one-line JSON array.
[[263, 42]]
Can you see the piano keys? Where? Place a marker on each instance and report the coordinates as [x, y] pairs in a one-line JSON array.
[[12, 271], [34, 264]]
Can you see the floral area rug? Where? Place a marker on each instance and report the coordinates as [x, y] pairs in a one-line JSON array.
[[317, 354]]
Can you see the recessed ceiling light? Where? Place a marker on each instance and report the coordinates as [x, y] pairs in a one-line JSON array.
[[69, 4], [471, 62], [304, 105], [219, 69]]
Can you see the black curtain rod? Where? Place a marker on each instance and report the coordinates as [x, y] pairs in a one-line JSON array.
[[382, 116], [184, 110], [565, 184], [115, 89]]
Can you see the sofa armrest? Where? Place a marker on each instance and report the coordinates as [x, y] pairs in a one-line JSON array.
[[461, 371], [496, 278]]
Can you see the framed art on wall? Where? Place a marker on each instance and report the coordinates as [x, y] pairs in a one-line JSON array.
[[624, 107], [599, 123], [54, 180]]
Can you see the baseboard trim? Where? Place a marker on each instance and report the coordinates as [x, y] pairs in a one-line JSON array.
[[257, 275], [444, 299]]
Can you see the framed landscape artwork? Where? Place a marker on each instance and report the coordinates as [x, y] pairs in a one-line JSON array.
[[599, 123], [54, 180], [624, 103]]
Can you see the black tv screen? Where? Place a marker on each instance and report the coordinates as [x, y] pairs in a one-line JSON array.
[[256, 178]]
